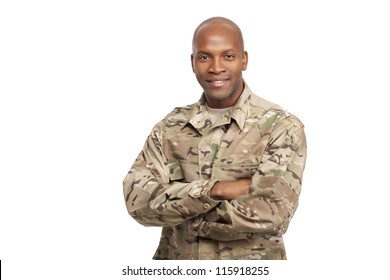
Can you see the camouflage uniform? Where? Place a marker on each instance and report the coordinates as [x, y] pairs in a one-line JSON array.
[[170, 181]]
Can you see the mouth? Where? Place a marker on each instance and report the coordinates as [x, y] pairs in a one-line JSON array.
[[217, 82]]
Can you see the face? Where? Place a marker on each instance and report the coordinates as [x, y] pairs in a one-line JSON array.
[[218, 60]]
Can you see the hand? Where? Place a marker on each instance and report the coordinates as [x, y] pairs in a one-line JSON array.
[[230, 189]]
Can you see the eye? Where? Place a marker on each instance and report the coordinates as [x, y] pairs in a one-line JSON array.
[[203, 57], [229, 56]]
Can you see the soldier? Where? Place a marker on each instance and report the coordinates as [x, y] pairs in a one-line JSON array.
[[222, 177]]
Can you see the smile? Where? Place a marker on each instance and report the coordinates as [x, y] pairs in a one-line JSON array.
[[217, 83]]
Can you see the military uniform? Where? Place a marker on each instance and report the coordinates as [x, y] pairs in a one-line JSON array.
[[186, 154]]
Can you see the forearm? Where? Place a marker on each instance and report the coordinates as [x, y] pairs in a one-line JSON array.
[[266, 209], [155, 203], [263, 210], [228, 190]]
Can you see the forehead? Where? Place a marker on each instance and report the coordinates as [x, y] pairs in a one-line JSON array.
[[217, 36]]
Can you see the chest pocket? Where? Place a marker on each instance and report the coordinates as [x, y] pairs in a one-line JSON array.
[[190, 170], [228, 172]]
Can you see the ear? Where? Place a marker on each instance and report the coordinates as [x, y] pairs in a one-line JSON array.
[[244, 60], [192, 63]]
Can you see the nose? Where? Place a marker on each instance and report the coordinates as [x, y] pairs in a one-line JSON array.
[[217, 65]]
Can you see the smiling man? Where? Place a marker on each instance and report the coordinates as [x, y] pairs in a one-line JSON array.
[[218, 60], [222, 177]]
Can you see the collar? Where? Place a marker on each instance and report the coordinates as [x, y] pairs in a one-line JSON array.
[[199, 117]]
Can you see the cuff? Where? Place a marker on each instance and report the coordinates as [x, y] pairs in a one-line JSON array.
[[202, 193]]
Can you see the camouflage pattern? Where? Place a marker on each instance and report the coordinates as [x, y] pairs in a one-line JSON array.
[[183, 157]]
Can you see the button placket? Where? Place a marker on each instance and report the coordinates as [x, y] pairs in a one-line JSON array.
[[207, 150]]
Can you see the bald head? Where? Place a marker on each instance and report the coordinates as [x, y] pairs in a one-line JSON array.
[[218, 23]]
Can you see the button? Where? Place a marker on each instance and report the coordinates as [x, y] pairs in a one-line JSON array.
[[195, 233], [196, 192], [206, 206]]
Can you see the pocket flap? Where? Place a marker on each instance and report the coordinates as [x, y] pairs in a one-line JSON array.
[[175, 172]]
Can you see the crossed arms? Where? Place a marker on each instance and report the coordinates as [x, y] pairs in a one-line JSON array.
[[263, 203]]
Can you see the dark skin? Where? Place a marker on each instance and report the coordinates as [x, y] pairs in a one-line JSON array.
[[218, 60]]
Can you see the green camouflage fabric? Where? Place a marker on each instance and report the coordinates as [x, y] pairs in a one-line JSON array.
[[170, 181]]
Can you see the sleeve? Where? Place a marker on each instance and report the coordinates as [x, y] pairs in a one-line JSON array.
[[155, 192], [273, 196]]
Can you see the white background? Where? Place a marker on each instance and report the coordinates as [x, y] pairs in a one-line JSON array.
[[83, 82]]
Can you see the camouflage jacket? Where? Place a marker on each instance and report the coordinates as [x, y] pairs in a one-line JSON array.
[[169, 182]]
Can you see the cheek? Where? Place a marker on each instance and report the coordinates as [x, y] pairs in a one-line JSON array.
[[237, 72], [237, 68], [200, 70]]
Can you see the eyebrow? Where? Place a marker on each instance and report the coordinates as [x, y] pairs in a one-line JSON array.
[[224, 51]]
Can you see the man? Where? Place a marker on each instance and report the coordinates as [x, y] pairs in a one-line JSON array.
[[222, 177]]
